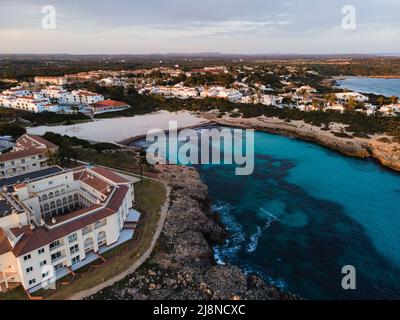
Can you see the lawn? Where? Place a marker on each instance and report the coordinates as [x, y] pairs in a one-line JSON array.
[[150, 195], [17, 293], [125, 160]]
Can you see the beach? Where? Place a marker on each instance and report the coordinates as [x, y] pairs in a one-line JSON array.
[[117, 129]]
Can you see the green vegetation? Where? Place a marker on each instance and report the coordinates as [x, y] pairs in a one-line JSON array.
[[17, 293], [11, 130], [42, 118]]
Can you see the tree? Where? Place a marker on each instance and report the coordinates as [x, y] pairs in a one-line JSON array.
[[381, 100], [394, 99]]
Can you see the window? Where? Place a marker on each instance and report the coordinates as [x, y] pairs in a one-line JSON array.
[[75, 260], [41, 251], [72, 237], [22, 160], [56, 256], [58, 266], [43, 263], [45, 275], [55, 244], [27, 257], [32, 281], [30, 269], [50, 182], [74, 249]]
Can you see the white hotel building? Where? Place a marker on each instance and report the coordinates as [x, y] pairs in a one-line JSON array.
[[53, 220]]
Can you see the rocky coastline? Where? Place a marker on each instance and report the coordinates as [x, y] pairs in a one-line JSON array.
[[182, 265]]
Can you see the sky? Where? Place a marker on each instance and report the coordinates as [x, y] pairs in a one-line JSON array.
[[193, 26]]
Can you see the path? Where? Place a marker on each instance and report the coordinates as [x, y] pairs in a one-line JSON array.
[[163, 215]]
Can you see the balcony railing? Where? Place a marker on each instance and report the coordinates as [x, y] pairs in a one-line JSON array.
[[58, 258], [56, 247]]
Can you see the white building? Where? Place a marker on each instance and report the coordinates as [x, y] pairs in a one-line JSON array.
[[346, 96], [55, 92], [54, 222], [29, 154], [390, 109], [83, 97]]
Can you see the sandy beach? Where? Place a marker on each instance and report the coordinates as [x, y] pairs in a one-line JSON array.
[[118, 129]]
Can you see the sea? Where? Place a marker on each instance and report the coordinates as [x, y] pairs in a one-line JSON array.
[[304, 214], [378, 86]]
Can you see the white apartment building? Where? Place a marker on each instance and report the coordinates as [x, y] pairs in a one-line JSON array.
[[54, 222], [29, 154], [83, 97], [35, 103], [55, 92]]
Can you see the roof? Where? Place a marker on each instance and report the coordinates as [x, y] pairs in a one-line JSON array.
[[30, 176], [117, 198], [5, 245], [110, 175], [109, 103], [41, 236], [20, 154], [93, 181], [37, 139]]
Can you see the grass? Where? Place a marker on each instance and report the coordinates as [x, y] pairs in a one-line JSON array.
[[150, 195], [17, 293], [125, 160]]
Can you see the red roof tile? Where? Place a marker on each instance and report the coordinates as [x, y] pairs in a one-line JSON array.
[[117, 198], [5, 245], [110, 175], [109, 103], [41, 236], [20, 154]]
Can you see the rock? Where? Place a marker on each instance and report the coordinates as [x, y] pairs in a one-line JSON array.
[[187, 269]]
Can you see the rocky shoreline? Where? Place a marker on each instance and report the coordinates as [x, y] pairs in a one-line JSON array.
[[182, 266], [386, 153]]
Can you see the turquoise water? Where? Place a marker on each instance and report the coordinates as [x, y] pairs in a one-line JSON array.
[[305, 213], [378, 86]]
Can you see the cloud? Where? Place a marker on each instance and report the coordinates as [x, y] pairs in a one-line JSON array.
[[253, 26]]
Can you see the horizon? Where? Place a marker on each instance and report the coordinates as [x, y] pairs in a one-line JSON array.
[[256, 27]]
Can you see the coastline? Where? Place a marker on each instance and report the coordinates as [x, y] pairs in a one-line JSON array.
[[183, 266], [387, 154]]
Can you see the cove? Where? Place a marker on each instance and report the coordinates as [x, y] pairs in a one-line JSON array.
[[305, 213]]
